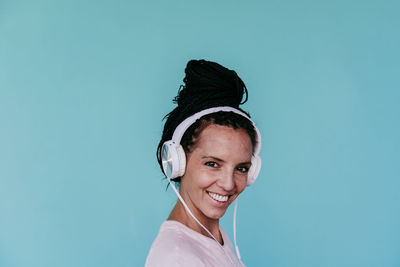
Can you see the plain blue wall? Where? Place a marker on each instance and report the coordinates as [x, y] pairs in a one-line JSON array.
[[84, 86]]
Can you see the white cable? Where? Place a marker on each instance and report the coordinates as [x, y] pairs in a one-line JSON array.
[[191, 214], [234, 230]]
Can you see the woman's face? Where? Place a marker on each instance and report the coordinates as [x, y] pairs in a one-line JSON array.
[[216, 171]]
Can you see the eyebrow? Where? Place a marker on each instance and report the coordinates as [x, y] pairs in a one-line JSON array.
[[211, 157], [245, 163], [221, 160]]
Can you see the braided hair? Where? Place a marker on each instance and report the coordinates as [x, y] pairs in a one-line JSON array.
[[206, 84]]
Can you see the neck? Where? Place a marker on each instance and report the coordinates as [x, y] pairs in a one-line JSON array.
[[180, 214]]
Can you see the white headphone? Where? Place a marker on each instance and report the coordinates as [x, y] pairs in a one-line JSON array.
[[173, 156]]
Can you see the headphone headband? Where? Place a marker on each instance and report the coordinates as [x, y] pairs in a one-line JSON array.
[[185, 124]]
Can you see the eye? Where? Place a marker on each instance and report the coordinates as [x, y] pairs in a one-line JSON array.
[[243, 169], [212, 164]]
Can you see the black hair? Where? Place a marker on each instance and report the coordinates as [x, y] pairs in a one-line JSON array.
[[206, 84]]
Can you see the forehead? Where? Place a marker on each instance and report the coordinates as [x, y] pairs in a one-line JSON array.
[[223, 141]]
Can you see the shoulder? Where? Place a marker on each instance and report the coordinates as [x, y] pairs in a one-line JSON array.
[[173, 247]]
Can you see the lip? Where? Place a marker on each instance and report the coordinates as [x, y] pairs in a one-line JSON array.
[[216, 202]]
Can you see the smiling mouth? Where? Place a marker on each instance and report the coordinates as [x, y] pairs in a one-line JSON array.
[[218, 197]]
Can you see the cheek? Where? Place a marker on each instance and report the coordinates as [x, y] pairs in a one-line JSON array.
[[206, 179], [241, 185], [202, 179]]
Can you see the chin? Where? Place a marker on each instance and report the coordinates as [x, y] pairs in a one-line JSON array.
[[215, 215]]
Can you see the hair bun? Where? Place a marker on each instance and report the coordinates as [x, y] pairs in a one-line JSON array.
[[208, 84]]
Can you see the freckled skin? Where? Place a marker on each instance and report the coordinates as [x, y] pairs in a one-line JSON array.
[[218, 163]]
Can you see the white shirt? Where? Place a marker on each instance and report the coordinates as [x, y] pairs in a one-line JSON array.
[[178, 245]]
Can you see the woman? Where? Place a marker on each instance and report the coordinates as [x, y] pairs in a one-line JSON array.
[[209, 148]]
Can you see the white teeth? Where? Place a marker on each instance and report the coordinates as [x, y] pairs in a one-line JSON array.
[[218, 197]]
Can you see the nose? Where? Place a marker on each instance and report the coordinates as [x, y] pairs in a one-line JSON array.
[[226, 180]]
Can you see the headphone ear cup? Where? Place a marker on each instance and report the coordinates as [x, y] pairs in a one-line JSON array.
[[181, 161], [254, 170], [170, 159], [173, 159]]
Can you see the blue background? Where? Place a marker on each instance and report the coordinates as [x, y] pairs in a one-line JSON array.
[[84, 86]]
